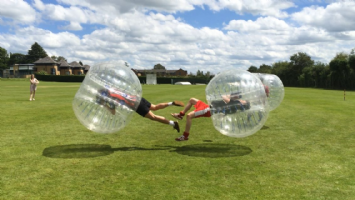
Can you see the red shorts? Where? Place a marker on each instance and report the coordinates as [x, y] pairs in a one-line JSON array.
[[202, 109]]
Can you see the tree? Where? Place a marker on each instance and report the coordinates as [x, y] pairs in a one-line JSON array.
[[339, 70], [36, 52], [298, 62], [158, 66], [4, 57], [81, 63], [199, 73], [264, 69], [351, 59], [208, 75], [16, 58], [253, 69], [305, 79], [126, 64], [317, 71], [61, 58], [282, 70]]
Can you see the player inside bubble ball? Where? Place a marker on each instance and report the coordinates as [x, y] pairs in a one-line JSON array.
[[228, 105], [110, 98]]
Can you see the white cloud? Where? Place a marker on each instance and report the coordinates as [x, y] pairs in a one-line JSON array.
[[124, 6], [39, 4], [60, 13], [17, 11], [261, 24], [89, 55], [74, 26], [255, 7], [24, 38], [336, 17]]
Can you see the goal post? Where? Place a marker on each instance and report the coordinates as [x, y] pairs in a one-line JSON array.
[[151, 79]]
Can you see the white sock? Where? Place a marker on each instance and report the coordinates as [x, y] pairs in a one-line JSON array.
[[170, 103], [171, 123]]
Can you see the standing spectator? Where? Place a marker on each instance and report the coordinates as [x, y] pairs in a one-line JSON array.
[[33, 87]]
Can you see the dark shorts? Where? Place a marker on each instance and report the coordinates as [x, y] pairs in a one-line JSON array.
[[143, 107]]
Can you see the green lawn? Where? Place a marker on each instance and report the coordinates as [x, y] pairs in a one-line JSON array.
[[306, 150]]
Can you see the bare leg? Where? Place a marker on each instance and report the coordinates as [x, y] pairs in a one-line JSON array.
[[158, 106], [112, 110], [192, 101], [150, 115], [186, 134], [30, 95], [34, 92], [189, 118], [188, 106]]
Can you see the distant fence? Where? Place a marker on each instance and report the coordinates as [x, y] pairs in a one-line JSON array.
[[56, 78], [170, 80], [142, 79]]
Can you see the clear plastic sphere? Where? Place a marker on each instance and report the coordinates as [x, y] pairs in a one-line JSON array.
[[245, 113], [275, 89], [107, 98]]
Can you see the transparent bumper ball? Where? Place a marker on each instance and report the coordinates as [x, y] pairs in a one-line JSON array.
[[275, 88], [245, 113], [107, 98]]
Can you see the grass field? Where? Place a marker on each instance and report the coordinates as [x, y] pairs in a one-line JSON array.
[[306, 150]]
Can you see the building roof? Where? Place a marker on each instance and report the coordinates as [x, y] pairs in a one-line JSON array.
[[87, 67], [45, 60], [75, 64], [63, 63]]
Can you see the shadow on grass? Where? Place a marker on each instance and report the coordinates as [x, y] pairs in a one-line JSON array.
[[88, 150], [96, 150], [264, 127], [211, 150]]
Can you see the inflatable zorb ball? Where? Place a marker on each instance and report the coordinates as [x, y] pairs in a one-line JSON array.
[[246, 111], [107, 98], [275, 88]]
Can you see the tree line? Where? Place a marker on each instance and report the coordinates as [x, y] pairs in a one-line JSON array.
[[302, 71], [34, 53]]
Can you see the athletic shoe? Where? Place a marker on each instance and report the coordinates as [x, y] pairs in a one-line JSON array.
[[181, 138], [176, 126], [176, 116], [33, 99], [178, 103], [30, 99]]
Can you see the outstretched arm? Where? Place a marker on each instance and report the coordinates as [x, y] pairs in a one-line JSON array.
[[226, 98]]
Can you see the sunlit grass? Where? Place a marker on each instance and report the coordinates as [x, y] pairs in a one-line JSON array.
[[304, 151]]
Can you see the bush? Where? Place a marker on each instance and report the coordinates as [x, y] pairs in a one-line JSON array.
[[42, 73]]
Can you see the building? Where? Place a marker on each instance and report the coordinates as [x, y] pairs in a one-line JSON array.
[[77, 68], [86, 68], [19, 71], [65, 68], [48, 65], [160, 72]]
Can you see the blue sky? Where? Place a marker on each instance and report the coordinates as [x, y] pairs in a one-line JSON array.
[[209, 35], [200, 17]]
